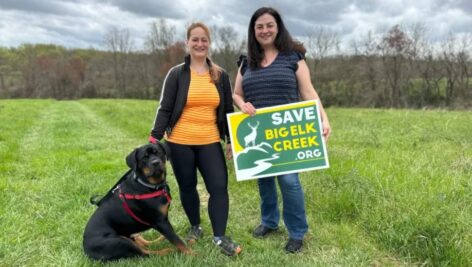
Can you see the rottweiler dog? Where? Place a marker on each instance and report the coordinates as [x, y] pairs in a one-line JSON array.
[[139, 201]]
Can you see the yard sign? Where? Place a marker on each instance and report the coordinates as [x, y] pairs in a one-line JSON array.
[[278, 140]]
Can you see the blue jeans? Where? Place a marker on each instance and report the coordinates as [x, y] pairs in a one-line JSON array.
[[293, 204]]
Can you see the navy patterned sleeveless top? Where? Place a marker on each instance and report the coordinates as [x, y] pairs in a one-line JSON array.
[[273, 85]]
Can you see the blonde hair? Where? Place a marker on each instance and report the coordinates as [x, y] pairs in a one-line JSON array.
[[215, 70]]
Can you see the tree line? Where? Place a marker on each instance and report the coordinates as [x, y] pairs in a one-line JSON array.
[[398, 69]]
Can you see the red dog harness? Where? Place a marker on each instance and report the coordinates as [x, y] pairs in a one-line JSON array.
[[124, 196]]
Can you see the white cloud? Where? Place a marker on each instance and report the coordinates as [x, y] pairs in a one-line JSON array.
[[83, 23]]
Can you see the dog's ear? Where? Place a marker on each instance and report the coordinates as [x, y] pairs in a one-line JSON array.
[[131, 159], [166, 149]]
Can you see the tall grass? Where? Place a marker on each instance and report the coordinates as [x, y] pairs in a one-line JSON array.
[[399, 190]]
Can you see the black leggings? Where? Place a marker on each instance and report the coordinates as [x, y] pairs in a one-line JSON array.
[[210, 161]]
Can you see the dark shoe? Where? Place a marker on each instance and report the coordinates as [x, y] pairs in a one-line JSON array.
[[261, 231], [227, 246], [194, 233], [294, 246]]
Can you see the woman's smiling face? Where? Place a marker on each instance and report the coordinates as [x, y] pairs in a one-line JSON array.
[[198, 43], [266, 30]]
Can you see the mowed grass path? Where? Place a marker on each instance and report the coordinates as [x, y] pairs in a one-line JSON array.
[[398, 193]]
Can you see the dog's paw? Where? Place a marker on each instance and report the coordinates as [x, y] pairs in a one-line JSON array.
[[157, 240], [161, 252], [189, 252]]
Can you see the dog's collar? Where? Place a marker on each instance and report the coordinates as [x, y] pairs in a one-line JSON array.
[[148, 185]]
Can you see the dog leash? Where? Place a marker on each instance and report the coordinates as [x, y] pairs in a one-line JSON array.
[[94, 199]]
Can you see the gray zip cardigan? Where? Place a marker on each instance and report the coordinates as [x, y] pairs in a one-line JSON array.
[[174, 97]]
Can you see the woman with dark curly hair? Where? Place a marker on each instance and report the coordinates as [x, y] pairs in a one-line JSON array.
[[275, 73]]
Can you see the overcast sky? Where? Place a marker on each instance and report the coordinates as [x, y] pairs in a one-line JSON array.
[[84, 23]]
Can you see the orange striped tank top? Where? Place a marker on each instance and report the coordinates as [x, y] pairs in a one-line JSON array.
[[197, 124]]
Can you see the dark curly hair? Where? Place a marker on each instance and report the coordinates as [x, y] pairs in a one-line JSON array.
[[283, 42]]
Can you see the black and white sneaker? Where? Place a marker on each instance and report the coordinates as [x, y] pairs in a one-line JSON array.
[[194, 233], [227, 246]]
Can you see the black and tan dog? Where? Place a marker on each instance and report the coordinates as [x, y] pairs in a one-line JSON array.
[[138, 202]]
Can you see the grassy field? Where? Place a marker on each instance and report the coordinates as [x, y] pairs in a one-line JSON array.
[[398, 192]]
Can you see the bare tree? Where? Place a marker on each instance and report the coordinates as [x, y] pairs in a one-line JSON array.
[[29, 70], [226, 48], [423, 60], [323, 43], [159, 41], [161, 36], [366, 50], [5, 69], [394, 48], [455, 57], [118, 41], [451, 72], [463, 61]]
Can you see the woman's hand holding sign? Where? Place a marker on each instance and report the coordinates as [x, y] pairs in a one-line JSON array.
[[248, 108]]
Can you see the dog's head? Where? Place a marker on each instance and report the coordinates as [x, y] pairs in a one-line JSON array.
[[150, 161]]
